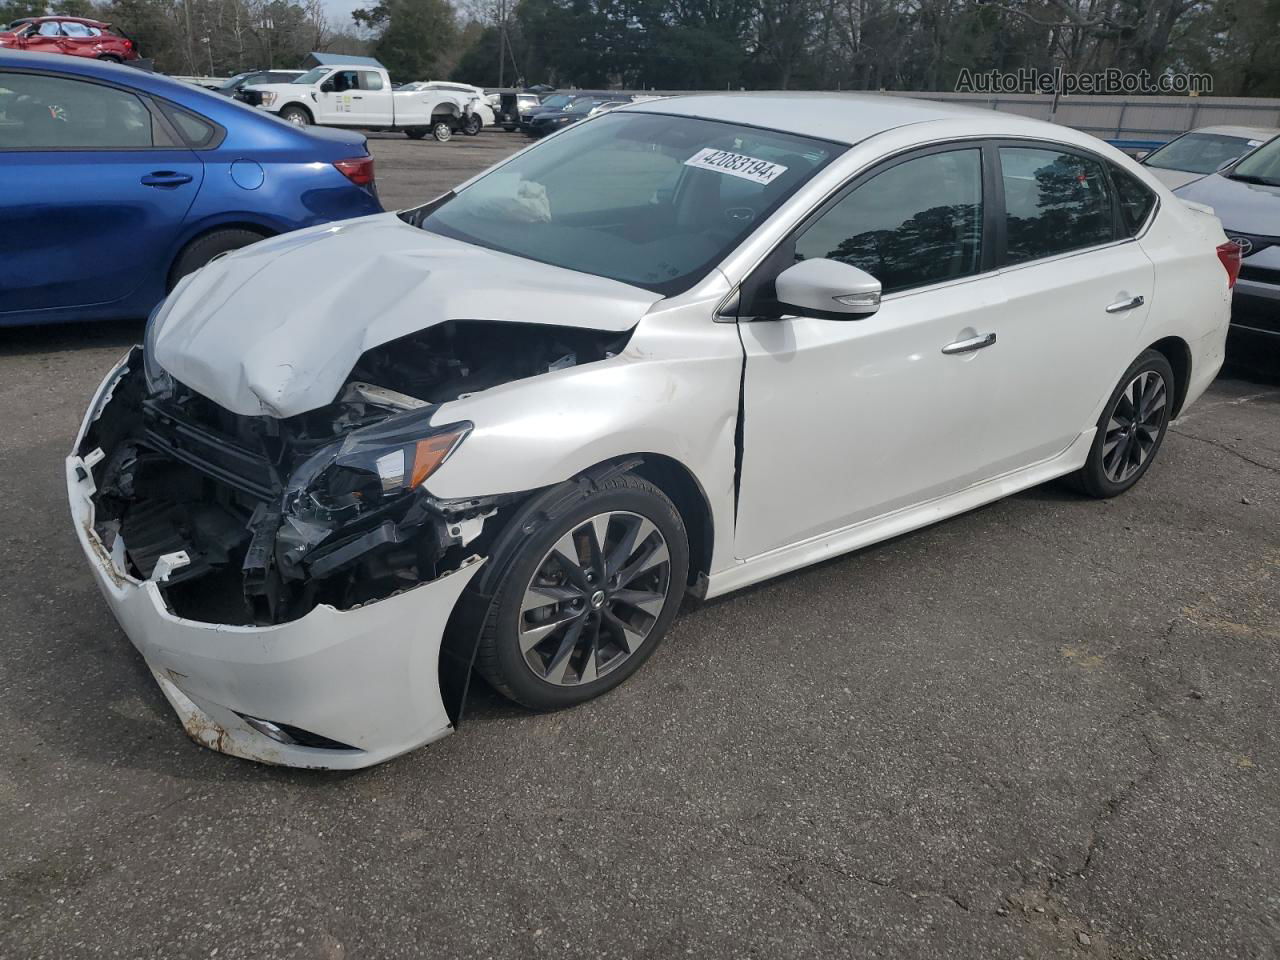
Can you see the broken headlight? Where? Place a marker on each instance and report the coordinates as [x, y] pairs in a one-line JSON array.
[[370, 466]]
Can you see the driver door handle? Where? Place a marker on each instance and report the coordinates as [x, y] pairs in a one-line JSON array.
[[970, 345], [1122, 305]]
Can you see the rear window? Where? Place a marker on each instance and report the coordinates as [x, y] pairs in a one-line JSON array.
[[1136, 200], [197, 131]]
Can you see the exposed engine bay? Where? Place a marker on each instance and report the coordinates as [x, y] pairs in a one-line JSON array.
[[256, 520]]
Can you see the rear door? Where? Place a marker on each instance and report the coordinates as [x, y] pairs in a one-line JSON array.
[[96, 193], [1076, 294]]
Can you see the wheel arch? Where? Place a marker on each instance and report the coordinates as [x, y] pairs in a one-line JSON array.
[[300, 105], [205, 230], [1178, 352]]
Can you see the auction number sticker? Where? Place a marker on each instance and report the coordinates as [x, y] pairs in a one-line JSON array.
[[736, 165]]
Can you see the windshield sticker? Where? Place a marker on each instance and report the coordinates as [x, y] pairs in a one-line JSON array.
[[736, 165]]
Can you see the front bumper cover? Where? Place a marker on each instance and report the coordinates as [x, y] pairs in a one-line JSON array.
[[367, 677]]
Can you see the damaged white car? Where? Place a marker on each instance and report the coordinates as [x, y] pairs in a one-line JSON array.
[[682, 347]]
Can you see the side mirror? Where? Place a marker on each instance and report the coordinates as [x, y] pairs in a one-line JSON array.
[[326, 87], [828, 289]]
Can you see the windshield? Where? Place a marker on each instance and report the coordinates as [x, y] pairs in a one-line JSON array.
[[648, 199], [557, 100], [1199, 152], [312, 76], [1261, 166], [234, 82]]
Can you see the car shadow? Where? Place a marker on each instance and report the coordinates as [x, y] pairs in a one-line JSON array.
[[61, 337]]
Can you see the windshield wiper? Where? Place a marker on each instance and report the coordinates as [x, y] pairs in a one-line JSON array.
[[1262, 181]]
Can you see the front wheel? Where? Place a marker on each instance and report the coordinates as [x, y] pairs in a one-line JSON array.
[[415, 133], [296, 115], [442, 131], [587, 596], [1131, 429]]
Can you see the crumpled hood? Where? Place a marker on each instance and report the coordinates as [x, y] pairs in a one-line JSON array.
[[1246, 207], [275, 328]]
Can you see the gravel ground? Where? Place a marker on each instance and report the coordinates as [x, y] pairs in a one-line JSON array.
[[1041, 729]]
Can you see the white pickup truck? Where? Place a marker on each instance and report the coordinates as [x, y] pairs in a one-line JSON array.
[[345, 95]]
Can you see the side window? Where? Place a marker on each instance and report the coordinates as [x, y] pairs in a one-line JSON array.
[[370, 80], [1136, 200], [919, 222], [53, 113], [75, 30], [197, 131], [50, 28], [345, 80], [1054, 202]]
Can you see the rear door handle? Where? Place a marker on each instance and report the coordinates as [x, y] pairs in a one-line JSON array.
[[970, 345], [166, 178], [1121, 306]]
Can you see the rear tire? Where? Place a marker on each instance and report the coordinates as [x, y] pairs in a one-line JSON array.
[[473, 125], [442, 131], [415, 133], [110, 58], [1131, 429], [203, 249], [620, 599], [298, 116]]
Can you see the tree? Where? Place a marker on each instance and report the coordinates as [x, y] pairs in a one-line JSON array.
[[415, 38]]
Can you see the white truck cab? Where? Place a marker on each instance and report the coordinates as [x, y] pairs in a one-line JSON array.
[[361, 96]]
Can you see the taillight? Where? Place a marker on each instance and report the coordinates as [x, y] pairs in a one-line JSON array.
[[359, 170], [1229, 254]]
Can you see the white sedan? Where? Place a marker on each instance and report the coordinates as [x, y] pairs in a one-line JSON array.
[[682, 347]]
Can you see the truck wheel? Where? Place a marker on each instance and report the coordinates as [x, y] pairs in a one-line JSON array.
[[298, 116], [442, 131], [415, 133], [473, 125], [509, 127]]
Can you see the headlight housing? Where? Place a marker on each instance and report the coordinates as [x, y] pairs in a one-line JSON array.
[[374, 466], [268, 98]]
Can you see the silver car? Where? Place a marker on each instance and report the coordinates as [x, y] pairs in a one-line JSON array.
[[1246, 197], [1198, 153]]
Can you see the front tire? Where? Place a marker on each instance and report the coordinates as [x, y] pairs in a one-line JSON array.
[[442, 131], [415, 133], [586, 596], [1131, 429], [298, 116]]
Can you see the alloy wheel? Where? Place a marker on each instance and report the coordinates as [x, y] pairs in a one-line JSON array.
[[594, 598], [1135, 425]]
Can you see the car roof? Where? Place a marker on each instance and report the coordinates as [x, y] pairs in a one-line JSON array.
[[1248, 133], [845, 117], [85, 20]]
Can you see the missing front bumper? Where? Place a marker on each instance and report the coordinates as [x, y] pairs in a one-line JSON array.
[[366, 678]]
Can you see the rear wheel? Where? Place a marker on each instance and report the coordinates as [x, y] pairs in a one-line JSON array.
[[586, 597], [203, 249], [110, 58], [442, 131], [415, 133], [298, 116], [1131, 429], [473, 125]]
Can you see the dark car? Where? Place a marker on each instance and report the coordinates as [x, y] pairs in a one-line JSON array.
[[1246, 198], [552, 120], [549, 104], [73, 36], [124, 181]]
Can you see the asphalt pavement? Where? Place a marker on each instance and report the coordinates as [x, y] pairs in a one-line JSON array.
[[1046, 728]]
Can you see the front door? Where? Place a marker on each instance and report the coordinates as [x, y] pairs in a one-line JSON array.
[[846, 420], [356, 99]]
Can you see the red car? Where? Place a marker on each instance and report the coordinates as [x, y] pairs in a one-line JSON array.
[[71, 35]]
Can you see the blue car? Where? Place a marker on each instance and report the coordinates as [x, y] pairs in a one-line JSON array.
[[114, 183]]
